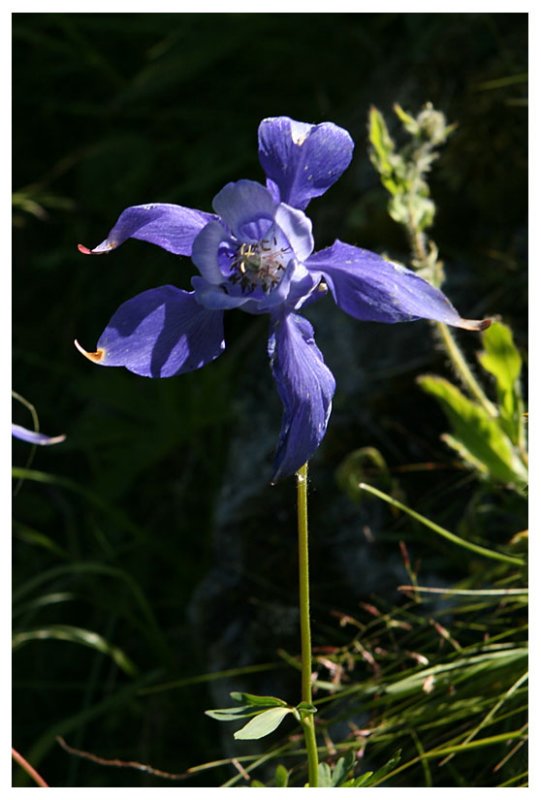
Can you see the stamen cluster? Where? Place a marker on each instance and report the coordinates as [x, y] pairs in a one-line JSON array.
[[259, 264]]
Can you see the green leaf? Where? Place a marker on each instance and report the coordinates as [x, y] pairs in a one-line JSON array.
[[374, 778], [412, 210], [409, 122], [501, 359], [342, 767], [383, 149], [258, 700], [336, 776], [281, 776], [451, 537], [307, 708], [262, 724], [231, 714], [476, 436], [364, 464], [362, 780], [459, 670], [324, 775], [252, 705], [71, 633]]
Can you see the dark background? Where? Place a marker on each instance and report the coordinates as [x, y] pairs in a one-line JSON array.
[[168, 541]]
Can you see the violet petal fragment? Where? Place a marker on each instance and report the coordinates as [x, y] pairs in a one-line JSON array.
[[214, 297], [205, 251], [367, 287], [306, 387], [160, 333], [164, 224], [246, 207], [34, 437], [297, 228], [302, 161]]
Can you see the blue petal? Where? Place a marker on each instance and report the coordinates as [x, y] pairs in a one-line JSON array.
[[306, 387], [164, 224], [247, 208], [302, 161], [297, 229], [160, 333], [215, 298], [34, 437], [367, 287], [205, 251], [305, 287]]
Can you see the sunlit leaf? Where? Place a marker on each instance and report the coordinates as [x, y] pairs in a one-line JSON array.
[[263, 724], [372, 778], [501, 358], [281, 776], [382, 150], [230, 714], [258, 699], [324, 777], [480, 438], [409, 122]]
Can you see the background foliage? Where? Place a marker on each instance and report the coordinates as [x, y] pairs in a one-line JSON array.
[[149, 551]]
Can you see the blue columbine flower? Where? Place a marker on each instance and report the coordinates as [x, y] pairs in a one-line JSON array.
[[256, 253]]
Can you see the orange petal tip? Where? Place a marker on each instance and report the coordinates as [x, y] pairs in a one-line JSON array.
[[96, 357]]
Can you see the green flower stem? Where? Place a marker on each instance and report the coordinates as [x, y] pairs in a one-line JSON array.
[[306, 638]]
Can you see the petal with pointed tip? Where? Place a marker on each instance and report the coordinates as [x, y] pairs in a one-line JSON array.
[[306, 387], [34, 437], [368, 287], [302, 161], [166, 225], [160, 333]]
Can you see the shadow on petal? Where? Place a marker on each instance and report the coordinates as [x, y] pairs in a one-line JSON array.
[[306, 387], [161, 333]]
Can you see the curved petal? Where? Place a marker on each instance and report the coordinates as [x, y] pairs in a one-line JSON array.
[[302, 161], [246, 207], [305, 287], [367, 287], [34, 437], [306, 387], [167, 225], [205, 251], [297, 229], [160, 333], [215, 298]]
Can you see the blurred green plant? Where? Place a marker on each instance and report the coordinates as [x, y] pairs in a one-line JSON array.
[[403, 173], [444, 703], [420, 685], [489, 437], [493, 445]]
